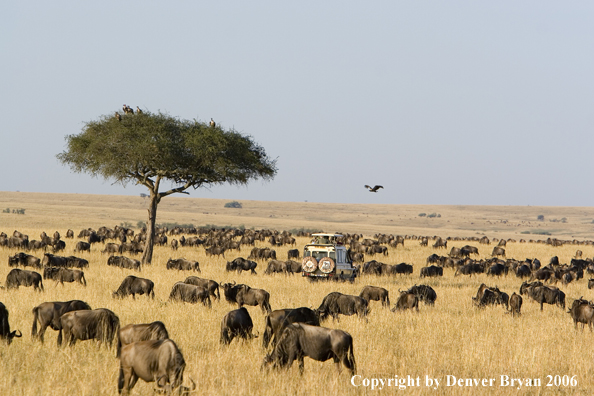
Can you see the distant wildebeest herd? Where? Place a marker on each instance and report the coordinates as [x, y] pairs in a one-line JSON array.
[[146, 351]]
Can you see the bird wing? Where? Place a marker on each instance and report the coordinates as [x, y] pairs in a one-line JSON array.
[[369, 187]]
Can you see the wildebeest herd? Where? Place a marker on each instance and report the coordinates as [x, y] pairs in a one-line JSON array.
[[146, 351]]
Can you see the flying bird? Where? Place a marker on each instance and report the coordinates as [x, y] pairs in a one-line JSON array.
[[212, 123], [374, 188]]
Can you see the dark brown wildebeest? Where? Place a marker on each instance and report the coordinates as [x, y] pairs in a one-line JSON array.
[[181, 264], [174, 244], [18, 277], [590, 283], [440, 243], [82, 247], [454, 252], [498, 251], [402, 268], [99, 324], [515, 304], [190, 293], [376, 293], [431, 271], [5, 333], [424, 241], [141, 332], [48, 314], [541, 294], [467, 250], [111, 248], [210, 285], [582, 311], [70, 233], [26, 260], [58, 246], [336, 303], [497, 269], [405, 301], [273, 322], [523, 271], [543, 274], [469, 269], [236, 323], [502, 242], [124, 262], [243, 294], [134, 285], [293, 266], [215, 251], [319, 343], [277, 320], [293, 253], [275, 266], [157, 361], [424, 293], [62, 275], [240, 264]]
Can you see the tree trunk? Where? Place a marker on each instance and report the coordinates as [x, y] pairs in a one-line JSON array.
[[147, 256]]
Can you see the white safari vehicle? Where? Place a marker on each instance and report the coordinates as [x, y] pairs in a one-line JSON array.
[[326, 257]]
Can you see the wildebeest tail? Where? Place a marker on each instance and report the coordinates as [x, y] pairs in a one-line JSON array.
[[60, 337], [351, 359], [218, 294], [267, 332], [34, 328], [41, 284], [121, 378], [82, 276]]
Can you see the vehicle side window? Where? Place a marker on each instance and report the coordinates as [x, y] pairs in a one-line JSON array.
[[307, 253], [333, 255]]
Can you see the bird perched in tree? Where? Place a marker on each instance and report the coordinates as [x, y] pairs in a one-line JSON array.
[[125, 108], [212, 123], [130, 110], [118, 116], [374, 188], [138, 111]]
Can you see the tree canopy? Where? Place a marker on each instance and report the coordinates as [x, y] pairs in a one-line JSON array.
[[149, 148]]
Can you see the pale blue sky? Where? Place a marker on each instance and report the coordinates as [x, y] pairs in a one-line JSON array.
[[457, 102]]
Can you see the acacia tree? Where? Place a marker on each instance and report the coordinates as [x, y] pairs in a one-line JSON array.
[[152, 149]]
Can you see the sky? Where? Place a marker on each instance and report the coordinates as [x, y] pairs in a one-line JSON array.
[[442, 103]]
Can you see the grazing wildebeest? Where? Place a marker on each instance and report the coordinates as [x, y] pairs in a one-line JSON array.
[[240, 264], [469, 269], [5, 333], [454, 252], [319, 343], [293, 253], [582, 311], [157, 361], [62, 275], [273, 322], [402, 268], [243, 294], [376, 293], [174, 244], [236, 323], [336, 303], [70, 233], [515, 304], [18, 277], [431, 271], [111, 248], [26, 260], [424, 241], [82, 247], [141, 332], [58, 246], [190, 293], [405, 301], [48, 314], [590, 283], [541, 294], [523, 271], [293, 266], [215, 251], [181, 264], [497, 269], [467, 250], [275, 266], [100, 324], [124, 262], [498, 251], [134, 285], [543, 274], [210, 285], [424, 293], [297, 315], [440, 243]]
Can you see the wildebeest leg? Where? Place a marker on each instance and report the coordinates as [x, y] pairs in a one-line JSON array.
[[133, 296], [254, 272]]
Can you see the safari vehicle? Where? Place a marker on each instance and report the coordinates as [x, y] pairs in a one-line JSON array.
[[326, 257]]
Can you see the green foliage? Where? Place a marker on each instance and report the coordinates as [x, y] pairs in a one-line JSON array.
[[126, 224], [233, 204], [540, 218], [422, 214], [140, 225], [14, 211], [432, 215], [7, 210], [173, 225]]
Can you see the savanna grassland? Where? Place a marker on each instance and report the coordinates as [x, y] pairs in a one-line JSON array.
[[450, 338]]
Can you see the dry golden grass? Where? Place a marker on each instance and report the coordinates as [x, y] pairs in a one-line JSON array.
[[451, 338]]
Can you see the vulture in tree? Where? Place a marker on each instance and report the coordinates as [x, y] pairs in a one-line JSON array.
[[212, 123], [118, 116], [138, 111], [374, 188]]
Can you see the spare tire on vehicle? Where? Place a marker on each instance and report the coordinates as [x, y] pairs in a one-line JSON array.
[[309, 264], [326, 265]]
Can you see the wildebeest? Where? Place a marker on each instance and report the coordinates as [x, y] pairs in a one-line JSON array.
[[190, 293], [62, 275], [515, 304], [469, 269], [236, 323], [124, 262], [58, 246], [275, 325], [405, 301], [273, 322], [243, 294], [402, 268], [431, 271], [240, 264], [49, 260], [590, 283], [5, 333], [582, 311], [497, 269], [293, 266], [543, 274], [215, 251], [82, 247], [275, 266], [157, 361], [376, 293], [319, 343], [210, 285], [498, 251], [18, 277], [467, 250], [141, 332], [112, 248], [293, 253], [424, 293], [48, 314], [541, 294], [134, 285], [336, 303], [100, 324], [523, 271], [181, 264], [26, 260]]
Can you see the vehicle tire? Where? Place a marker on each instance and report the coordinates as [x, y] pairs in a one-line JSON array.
[[309, 264], [326, 265]]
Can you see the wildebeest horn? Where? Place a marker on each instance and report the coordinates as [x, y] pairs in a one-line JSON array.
[[257, 335], [234, 283]]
